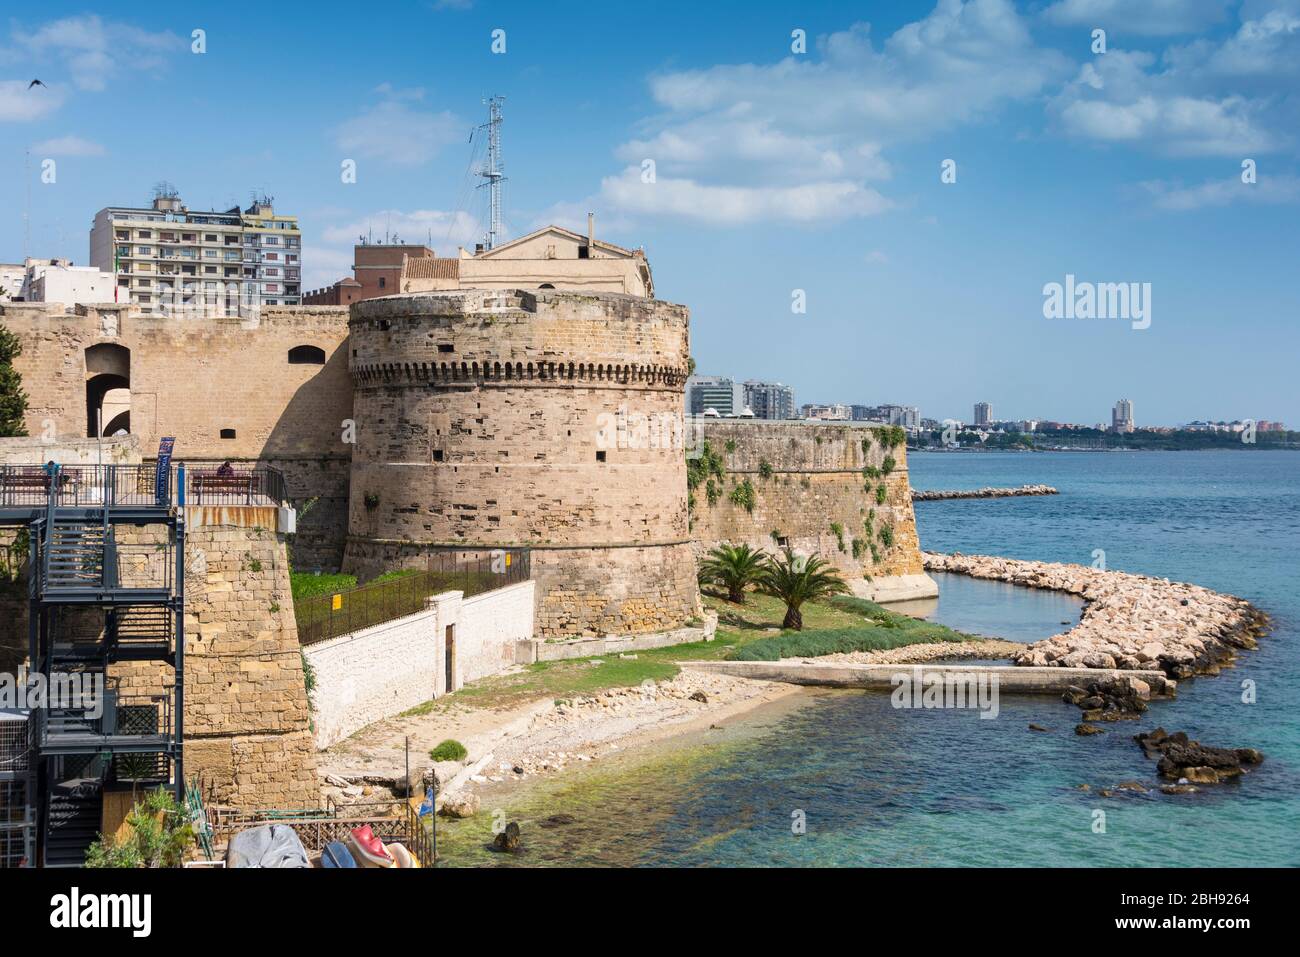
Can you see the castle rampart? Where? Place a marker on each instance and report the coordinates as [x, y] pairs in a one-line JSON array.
[[489, 419], [837, 490]]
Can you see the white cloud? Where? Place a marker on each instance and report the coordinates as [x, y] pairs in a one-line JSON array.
[[737, 205], [1269, 190], [92, 50], [329, 258], [18, 103], [798, 140], [396, 132], [68, 146], [1119, 97], [1147, 17]]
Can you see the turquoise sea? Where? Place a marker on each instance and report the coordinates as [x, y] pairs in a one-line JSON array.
[[875, 786]]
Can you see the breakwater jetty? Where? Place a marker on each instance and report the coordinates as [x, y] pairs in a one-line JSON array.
[[935, 495], [1130, 622], [1010, 679]]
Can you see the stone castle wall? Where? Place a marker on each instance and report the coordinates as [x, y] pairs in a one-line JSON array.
[[247, 728], [192, 378], [489, 419], [807, 480]]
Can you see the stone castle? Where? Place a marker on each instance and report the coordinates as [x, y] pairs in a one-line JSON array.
[[460, 418]]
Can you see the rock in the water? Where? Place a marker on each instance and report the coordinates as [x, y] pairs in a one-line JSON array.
[[1038, 727], [459, 805], [508, 840], [1178, 789], [1087, 729], [1184, 760]]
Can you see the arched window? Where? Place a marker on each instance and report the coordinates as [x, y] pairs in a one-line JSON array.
[[307, 355], [546, 285]]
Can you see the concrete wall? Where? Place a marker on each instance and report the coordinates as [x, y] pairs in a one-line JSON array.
[[67, 450], [380, 672], [818, 478]]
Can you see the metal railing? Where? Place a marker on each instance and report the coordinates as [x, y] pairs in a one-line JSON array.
[[262, 485], [470, 571], [84, 486]]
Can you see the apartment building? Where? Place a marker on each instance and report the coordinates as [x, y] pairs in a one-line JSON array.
[[715, 395], [174, 260], [769, 400]]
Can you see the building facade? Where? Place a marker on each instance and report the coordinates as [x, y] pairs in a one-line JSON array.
[[714, 395], [983, 415], [55, 280], [169, 259], [827, 413], [770, 400], [1121, 416]]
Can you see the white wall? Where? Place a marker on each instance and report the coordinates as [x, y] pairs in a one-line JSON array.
[[380, 672]]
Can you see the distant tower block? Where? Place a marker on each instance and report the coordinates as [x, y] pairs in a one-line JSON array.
[[502, 418]]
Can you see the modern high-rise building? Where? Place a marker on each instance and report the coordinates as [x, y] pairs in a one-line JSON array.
[[714, 395], [769, 400], [983, 415], [1121, 416], [908, 416], [171, 259]]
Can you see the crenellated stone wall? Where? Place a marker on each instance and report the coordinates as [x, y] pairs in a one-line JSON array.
[[808, 480], [488, 418]]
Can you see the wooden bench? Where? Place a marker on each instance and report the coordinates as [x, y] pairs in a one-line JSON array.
[[33, 480], [242, 485]]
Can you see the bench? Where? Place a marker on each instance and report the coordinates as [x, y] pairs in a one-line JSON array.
[[242, 485]]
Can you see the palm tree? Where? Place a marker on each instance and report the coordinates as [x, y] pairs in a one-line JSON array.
[[795, 580], [733, 566]]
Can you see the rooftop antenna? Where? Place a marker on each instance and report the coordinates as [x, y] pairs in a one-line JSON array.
[[493, 171]]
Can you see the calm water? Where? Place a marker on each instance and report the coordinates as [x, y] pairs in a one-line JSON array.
[[879, 786]]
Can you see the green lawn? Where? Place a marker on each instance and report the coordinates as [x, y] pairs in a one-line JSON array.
[[745, 632]]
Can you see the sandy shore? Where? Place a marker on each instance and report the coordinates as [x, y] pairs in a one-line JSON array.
[[542, 737]]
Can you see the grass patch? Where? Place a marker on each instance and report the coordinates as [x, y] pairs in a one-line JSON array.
[[881, 630], [449, 750], [308, 585]]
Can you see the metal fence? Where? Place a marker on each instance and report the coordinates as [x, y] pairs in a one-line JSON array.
[[470, 571], [86, 486], [261, 485]]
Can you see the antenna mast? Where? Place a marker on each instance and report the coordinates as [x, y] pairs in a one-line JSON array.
[[493, 171]]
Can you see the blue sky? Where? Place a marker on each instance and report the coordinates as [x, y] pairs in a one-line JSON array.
[[775, 170]]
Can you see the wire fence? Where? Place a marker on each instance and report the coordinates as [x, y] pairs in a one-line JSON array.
[[470, 571]]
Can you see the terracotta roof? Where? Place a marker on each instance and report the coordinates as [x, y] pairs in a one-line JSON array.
[[432, 267]]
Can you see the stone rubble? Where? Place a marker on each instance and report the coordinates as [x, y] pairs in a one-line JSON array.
[[1133, 622]]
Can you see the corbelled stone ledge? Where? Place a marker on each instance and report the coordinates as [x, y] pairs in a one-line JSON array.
[[935, 495], [1130, 622]]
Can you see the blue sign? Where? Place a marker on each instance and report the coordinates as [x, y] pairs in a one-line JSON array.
[[165, 446]]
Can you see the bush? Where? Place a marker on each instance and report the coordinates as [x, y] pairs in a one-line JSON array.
[[743, 495], [449, 750], [888, 465], [887, 536], [160, 835], [765, 469], [882, 493]]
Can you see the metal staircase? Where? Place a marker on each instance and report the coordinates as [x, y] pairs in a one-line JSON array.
[[106, 586]]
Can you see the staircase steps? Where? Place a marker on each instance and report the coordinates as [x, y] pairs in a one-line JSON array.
[[72, 821]]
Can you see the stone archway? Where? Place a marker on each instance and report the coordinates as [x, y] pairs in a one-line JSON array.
[[108, 388]]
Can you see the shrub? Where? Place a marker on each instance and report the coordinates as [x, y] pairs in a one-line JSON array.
[[887, 536], [838, 531], [765, 469], [744, 496], [888, 465], [858, 545], [160, 833], [449, 750], [882, 493], [371, 501]]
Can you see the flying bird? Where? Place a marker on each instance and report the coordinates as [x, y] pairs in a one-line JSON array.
[[36, 83]]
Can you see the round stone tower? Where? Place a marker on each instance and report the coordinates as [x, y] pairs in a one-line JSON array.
[[540, 418]]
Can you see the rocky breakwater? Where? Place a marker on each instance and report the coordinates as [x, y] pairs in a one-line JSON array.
[[935, 495], [1130, 621]]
